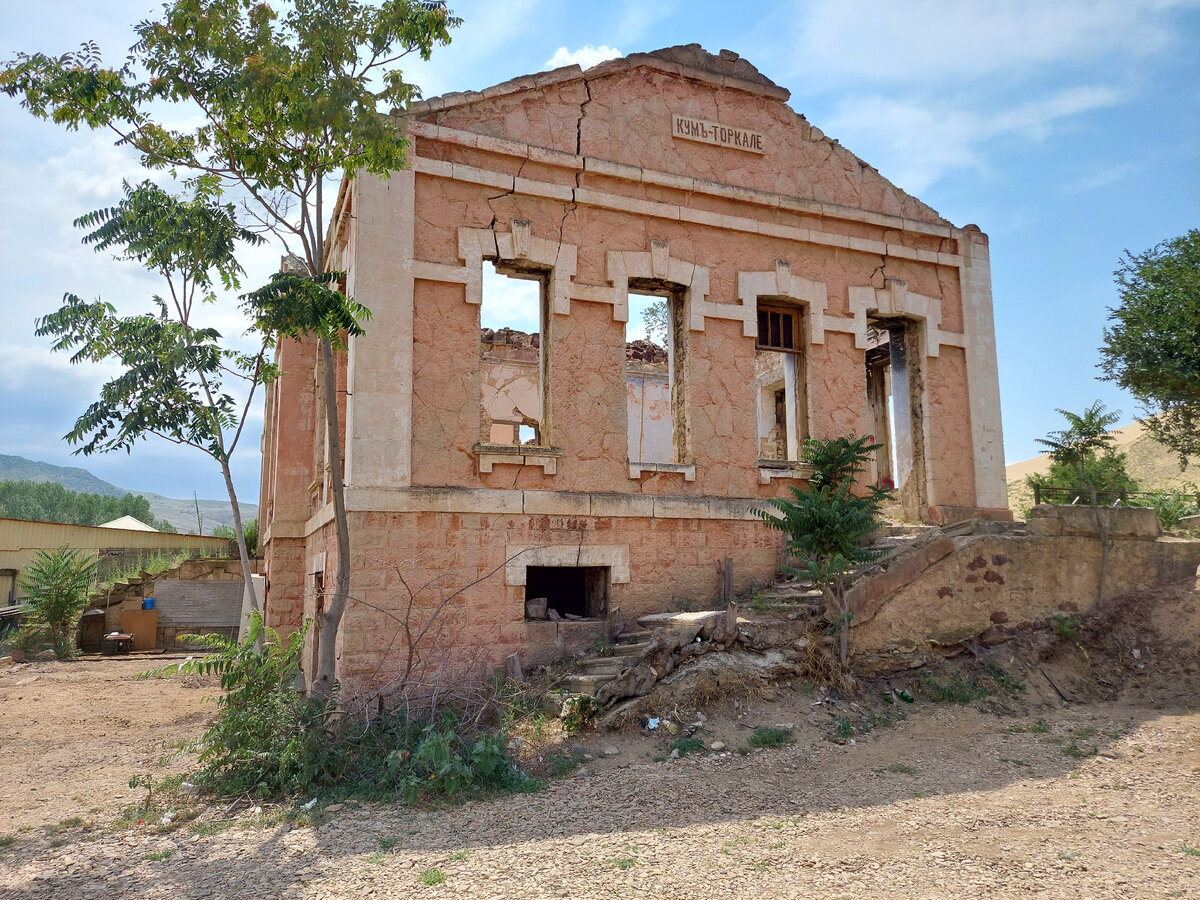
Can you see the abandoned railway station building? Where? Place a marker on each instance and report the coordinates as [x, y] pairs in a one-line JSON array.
[[608, 308]]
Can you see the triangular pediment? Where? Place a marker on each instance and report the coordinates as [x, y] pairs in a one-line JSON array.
[[683, 111]]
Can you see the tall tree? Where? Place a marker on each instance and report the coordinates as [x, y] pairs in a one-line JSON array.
[[1152, 348], [285, 103], [174, 373], [1077, 445], [47, 501]]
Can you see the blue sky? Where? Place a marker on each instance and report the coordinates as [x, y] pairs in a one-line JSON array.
[[1069, 131]]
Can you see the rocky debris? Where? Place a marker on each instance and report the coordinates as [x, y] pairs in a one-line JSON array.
[[46, 656], [510, 336], [645, 352]]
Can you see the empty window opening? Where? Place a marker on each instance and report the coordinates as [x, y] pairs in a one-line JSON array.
[[782, 383], [653, 375], [894, 389], [512, 357], [570, 592]]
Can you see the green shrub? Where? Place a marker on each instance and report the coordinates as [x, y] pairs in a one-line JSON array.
[[686, 745], [766, 736], [56, 586], [271, 741], [1066, 625], [579, 713], [958, 689], [1170, 505], [827, 523], [1003, 679]]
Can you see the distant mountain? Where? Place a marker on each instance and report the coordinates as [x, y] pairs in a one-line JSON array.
[[18, 468], [180, 513]]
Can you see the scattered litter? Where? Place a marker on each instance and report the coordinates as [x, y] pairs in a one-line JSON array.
[[652, 724], [310, 804]]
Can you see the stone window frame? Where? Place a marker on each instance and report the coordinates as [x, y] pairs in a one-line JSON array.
[[780, 289], [554, 265], [519, 558], [685, 283]]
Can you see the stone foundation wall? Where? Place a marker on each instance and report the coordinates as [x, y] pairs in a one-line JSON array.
[[1068, 559], [476, 562]]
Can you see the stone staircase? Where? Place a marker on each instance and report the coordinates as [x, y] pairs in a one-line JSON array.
[[787, 605], [631, 646]]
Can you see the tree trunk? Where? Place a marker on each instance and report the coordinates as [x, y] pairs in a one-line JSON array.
[[243, 552], [329, 621]]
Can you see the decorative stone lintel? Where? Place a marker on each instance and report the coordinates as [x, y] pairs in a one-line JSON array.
[[637, 469], [768, 471], [490, 455]]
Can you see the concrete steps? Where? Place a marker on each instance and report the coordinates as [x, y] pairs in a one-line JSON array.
[[596, 671]]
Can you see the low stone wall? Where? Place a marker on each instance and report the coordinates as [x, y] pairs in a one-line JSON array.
[[950, 589], [200, 596]]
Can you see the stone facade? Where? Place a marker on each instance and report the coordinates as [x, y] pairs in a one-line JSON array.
[[804, 295]]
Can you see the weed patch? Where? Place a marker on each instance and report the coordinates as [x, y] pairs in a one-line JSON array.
[[160, 855], [901, 769], [1004, 681], [1066, 626], [684, 746], [1075, 751], [958, 689], [624, 862], [432, 877], [766, 736]]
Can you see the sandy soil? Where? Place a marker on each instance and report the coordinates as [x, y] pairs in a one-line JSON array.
[[1094, 798]]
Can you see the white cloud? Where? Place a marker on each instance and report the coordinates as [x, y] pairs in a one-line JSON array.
[[509, 302], [1096, 178], [585, 57], [916, 142]]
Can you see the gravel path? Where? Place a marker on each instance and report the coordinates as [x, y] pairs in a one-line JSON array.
[[949, 803]]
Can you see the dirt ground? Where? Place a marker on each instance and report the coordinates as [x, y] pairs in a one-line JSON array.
[[1094, 796]]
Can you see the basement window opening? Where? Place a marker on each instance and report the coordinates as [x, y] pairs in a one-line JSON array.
[[570, 592]]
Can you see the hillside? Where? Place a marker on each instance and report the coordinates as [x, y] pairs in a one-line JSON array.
[[1148, 462], [180, 513]]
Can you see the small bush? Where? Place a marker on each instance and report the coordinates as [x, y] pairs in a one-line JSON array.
[[431, 877], [843, 729], [686, 745], [579, 713], [766, 736], [269, 741], [1003, 680], [1075, 751], [56, 586], [1066, 626], [959, 689]]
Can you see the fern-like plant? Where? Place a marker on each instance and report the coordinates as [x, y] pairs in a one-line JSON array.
[[56, 587], [828, 522]]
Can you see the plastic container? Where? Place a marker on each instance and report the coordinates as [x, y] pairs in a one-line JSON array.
[[148, 603]]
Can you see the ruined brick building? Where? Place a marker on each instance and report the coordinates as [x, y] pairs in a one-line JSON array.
[[799, 294]]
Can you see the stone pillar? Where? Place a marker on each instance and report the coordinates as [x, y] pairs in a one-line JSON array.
[[380, 364], [983, 379]]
